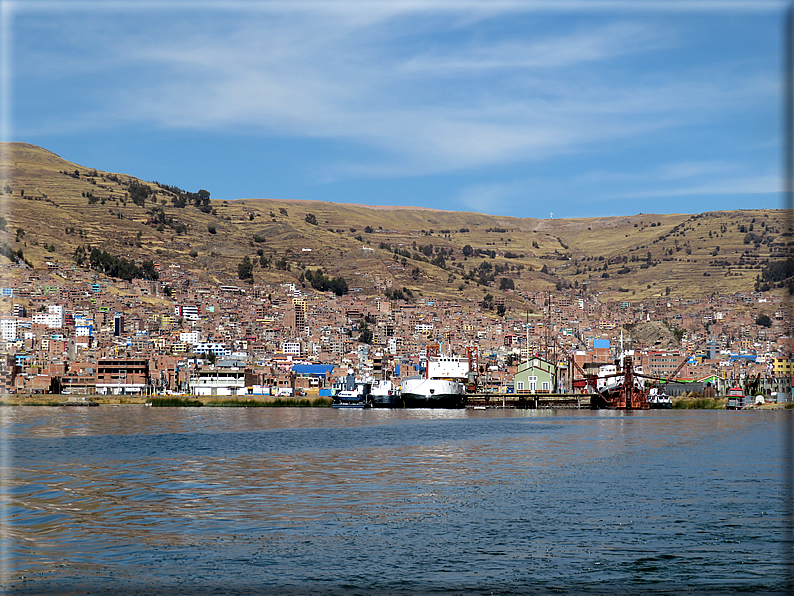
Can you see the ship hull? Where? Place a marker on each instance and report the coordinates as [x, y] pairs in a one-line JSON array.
[[385, 401], [384, 395], [433, 393]]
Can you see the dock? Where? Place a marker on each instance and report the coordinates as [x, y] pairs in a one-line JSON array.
[[529, 401]]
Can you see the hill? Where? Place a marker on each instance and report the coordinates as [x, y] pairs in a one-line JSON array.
[[55, 210]]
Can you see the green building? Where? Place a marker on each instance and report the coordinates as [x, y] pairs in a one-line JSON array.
[[536, 375]]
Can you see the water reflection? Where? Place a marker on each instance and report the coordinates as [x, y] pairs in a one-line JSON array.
[[279, 497]]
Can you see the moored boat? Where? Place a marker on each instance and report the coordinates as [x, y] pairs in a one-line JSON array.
[[384, 394], [735, 398], [628, 393], [352, 393], [659, 400], [420, 392], [350, 399], [442, 386]]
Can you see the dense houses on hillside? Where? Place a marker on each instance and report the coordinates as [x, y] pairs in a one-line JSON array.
[[66, 330]]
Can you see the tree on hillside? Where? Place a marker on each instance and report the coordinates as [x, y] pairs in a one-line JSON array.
[[365, 335], [201, 200], [245, 269], [321, 283], [139, 192], [113, 266], [763, 320], [338, 286], [148, 270], [311, 218]]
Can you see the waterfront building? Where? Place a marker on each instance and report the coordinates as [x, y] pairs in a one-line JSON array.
[[229, 378], [536, 375], [119, 376]]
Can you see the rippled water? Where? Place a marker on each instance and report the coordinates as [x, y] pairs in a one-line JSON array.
[[320, 501]]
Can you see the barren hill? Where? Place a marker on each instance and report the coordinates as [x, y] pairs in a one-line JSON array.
[[652, 334], [53, 208]]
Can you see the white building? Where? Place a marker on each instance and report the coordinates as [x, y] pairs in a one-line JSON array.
[[81, 330], [219, 349], [227, 381], [190, 337], [189, 312], [54, 318], [291, 347], [8, 329]]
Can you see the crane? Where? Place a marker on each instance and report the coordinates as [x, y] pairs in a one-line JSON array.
[[589, 379], [680, 366]]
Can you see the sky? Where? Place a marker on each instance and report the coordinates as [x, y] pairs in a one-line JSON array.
[[568, 108]]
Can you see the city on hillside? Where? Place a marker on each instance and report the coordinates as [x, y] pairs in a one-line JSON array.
[[67, 330]]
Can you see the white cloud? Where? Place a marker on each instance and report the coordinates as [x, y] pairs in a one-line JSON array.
[[355, 72], [736, 185], [585, 45], [492, 198]]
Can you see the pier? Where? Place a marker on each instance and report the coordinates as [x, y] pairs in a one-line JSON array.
[[529, 401]]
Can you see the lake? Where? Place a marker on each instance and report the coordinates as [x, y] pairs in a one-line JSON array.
[[134, 500]]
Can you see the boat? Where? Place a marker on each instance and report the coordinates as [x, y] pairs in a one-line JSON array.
[[659, 400], [735, 398], [384, 394], [442, 386], [611, 377], [621, 385], [622, 389], [350, 399], [351, 392]]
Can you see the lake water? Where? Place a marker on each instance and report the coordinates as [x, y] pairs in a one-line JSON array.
[[133, 500]]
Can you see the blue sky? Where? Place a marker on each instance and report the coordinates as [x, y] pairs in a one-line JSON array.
[[580, 108]]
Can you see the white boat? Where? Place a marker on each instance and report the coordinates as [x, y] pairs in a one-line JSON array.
[[351, 392], [659, 400], [350, 399], [384, 394], [443, 385]]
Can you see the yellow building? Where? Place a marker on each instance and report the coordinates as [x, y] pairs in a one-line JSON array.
[[783, 367]]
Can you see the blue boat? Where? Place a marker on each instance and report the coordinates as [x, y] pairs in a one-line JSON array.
[[352, 393], [350, 399]]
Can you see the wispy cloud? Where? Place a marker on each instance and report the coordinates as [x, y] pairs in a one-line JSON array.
[[419, 88], [733, 185], [496, 198], [308, 78], [549, 52]]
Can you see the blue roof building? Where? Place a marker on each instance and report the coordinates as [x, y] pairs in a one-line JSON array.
[[313, 370]]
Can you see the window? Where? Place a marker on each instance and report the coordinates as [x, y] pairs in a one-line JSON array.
[[520, 386], [545, 385]]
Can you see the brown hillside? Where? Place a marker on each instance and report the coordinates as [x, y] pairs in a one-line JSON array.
[[60, 206]]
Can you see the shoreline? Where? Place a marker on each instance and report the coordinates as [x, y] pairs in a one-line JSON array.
[[254, 401]]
